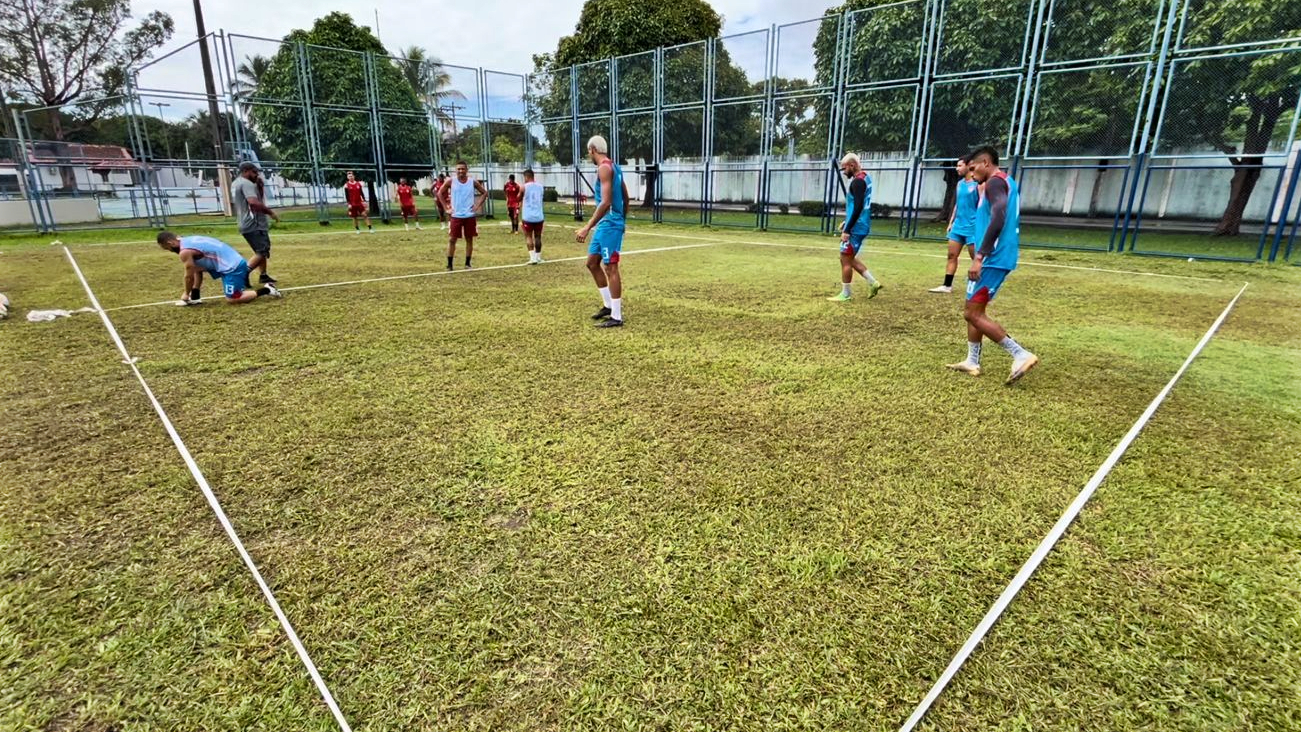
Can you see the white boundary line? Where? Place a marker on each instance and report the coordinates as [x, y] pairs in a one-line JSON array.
[[213, 502], [1049, 541], [425, 274]]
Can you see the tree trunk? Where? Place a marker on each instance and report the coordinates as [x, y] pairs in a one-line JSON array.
[[1240, 189], [1265, 112], [951, 179], [652, 179], [1097, 188]]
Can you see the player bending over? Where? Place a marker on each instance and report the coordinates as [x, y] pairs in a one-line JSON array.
[[857, 225], [408, 203], [962, 223], [205, 254], [998, 227], [607, 226], [354, 191], [464, 196], [534, 217]]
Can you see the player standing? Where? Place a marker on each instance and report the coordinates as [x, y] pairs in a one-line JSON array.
[[607, 227], [464, 196], [962, 223], [512, 191], [998, 227], [355, 192], [857, 225], [534, 217], [438, 201], [252, 212], [407, 202], [205, 254]]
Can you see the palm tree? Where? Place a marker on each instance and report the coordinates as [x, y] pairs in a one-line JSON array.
[[248, 76], [431, 82]]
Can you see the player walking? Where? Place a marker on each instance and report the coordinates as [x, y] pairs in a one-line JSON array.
[[534, 217], [998, 227], [512, 191], [355, 193], [607, 227], [205, 254], [464, 196], [407, 201], [962, 223], [252, 212], [857, 225]]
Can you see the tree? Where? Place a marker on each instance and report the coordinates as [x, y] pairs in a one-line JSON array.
[[1235, 104], [337, 49], [610, 28], [65, 52], [248, 77], [431, 82]]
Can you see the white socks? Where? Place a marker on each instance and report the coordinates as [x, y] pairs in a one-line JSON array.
[[846, 289], [616, 308], [973, 352], [605, 297]]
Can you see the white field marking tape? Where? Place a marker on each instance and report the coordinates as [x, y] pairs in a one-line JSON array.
[[213, 502], [1027, 264], [426, 274], [1045, 546]]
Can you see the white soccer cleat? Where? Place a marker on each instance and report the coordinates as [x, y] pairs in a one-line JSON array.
[[1021, 367], [273, 292], [418, 228], [187, 303], [406, 227], [966, 367], [942, 289]]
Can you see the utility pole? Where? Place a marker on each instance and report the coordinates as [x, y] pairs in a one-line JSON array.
[[223, 173]]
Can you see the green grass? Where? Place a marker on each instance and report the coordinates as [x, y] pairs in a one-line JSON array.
[[749, 509]]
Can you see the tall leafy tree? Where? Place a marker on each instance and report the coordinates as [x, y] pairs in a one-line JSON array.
[[336, 55], [248, 77], [67, 52]]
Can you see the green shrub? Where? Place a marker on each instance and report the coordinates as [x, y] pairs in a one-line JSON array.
[[549, 195], [812, 208]]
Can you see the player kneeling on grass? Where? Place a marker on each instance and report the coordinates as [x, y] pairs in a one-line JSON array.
[[858, 224], [534, 217], [204, 254], [998, 228], [607, 226]]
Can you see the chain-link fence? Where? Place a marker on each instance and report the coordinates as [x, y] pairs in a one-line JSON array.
[[1148, 126]]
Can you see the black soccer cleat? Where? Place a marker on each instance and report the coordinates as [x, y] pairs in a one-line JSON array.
[[602, 314], [266, 279], [610, 323]]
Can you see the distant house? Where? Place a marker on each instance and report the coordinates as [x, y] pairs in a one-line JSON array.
[[68, 165]]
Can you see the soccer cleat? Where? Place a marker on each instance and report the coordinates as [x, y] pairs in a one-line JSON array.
[[418, 227], [406, 227], [273, 292], [602, 314], [842, 297], [266, 279], [966, 367], [873, 288], [1021, 367], [610, 323], [449, 268], [189, 303], [942, 289], [370, 231], [356, 231]]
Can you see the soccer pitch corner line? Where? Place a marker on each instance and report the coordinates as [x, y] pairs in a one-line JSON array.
[[211, 497], [1059, 529], [418, 275]]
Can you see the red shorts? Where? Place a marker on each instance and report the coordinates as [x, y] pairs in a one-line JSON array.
[[356, 210], [534, 228], [409, 209], [469, 228]]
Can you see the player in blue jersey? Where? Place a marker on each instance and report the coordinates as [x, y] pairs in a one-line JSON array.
[[962, 223], [534, 216], [606, 227], [856, 227], [998, 229], [202, 254]]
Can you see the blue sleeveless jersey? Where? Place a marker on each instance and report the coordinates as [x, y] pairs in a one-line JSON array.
[[615, 216], [964, 217], [1008, 247], [864, 224], [218, 257]]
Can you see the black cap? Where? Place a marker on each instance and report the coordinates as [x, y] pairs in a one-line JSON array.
[[248, 165]]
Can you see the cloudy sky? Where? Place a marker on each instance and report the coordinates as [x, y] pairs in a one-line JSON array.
[[494, 34]]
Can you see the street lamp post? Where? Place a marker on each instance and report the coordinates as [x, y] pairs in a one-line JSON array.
[[167, 142]]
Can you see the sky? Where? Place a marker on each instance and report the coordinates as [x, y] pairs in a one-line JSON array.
[[494, 34]]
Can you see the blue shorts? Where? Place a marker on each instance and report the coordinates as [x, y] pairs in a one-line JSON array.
[[985, 288], [235, 281], [854, 244], [606, 241], [965, 240]]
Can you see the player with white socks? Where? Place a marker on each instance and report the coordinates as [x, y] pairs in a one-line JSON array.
[[856, 227], [607, 227], [533, 217], [998, 228]]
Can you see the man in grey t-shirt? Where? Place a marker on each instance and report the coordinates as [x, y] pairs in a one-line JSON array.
[[251, 213]]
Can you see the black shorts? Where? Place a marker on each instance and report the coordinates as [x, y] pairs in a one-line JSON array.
[[260, 241]]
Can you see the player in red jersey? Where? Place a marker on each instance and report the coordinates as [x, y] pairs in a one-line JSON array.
[[408, 204], [355, 192], [438, 201], [513, 194]]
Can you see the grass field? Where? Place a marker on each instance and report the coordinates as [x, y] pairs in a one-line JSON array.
[[749, 509]]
